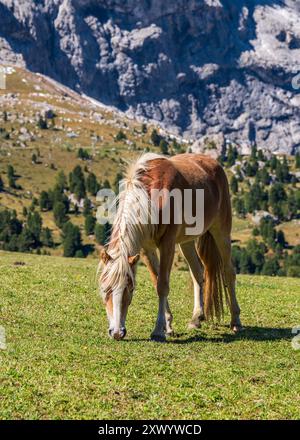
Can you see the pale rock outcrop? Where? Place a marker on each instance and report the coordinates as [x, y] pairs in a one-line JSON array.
[[198, 67]]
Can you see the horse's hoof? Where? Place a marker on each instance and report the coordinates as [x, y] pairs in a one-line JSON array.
[[237, 328], [170, 333], [194, 325], [202, 317], [158, 338]]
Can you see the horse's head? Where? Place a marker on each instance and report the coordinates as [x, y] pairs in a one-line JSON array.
[[117, 286]]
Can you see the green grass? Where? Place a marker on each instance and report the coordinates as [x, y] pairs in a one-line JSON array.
[[59, 362]]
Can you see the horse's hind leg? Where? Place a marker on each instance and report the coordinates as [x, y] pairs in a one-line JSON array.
[[152, 262], [196, 270], [223, 242]]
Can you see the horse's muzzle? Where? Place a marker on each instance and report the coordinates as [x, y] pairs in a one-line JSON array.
[[117, 335]]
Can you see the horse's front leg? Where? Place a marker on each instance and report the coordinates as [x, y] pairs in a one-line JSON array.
[[169, 320], [164, 318], [152, 262]]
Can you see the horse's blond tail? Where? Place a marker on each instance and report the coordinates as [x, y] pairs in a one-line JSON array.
[[215, 288]]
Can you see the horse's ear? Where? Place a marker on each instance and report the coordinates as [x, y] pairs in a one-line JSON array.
[[105, 257], [133, 260]]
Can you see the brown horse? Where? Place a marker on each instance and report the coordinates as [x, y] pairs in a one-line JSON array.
[[209, 247]]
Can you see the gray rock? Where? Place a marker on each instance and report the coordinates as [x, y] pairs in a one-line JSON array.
[[198, 67], [259, 215]]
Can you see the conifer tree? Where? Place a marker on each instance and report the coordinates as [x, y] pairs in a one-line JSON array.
[[60, 214], [234, 186], [11, 176], [92, 184], [47, 238], [45, 201], [89, 224], [71, 239], [100, 234]]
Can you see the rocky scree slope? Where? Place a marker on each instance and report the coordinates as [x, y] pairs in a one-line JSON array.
[[198, 67]]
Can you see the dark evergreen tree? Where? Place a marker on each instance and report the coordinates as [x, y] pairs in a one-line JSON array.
[[279, 172], [277, 194], [232, 155], [253, 155], [9, 225], [279, 211], [77, 182], [236, 257], [246, 265], [83, 154], [26, 241], [250, 202], [100, 234], [264, 176], [250, 168], [260, 156], [292, 263], [273, 163], [45, 201], [92, 184], [57, 196], [239, 206], [34, 225], [89, 224], [121, 136], [155, 138], [164, 146], [234, 186], [177, 147], [60, 214], [71, 239], [292, 205], [42, 123], [265, 225], [79, 254], [297, 160], [11, 176], [285, 171], [271, 267], [281, 239], [87, 207], [13, 244], [256, 253], [47, 238]]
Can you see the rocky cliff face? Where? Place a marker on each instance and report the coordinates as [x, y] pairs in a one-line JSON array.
[[199, 67]]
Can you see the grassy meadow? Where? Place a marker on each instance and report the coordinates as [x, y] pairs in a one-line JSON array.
[[60, 364]]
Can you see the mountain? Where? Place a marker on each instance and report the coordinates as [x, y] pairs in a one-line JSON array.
[[198, 67]]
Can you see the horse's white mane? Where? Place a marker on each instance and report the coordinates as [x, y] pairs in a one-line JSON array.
[[127, 233]]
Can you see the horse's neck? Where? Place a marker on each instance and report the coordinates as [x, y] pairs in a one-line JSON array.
[[125, 243], [130, 230]]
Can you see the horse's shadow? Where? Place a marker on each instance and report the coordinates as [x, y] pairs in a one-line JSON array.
[[258, 334]]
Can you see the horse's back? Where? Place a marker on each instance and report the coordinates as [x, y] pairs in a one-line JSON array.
[[197, 167], [185, 171]]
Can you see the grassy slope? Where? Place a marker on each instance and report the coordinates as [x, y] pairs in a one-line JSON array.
[[75, 113], [60, 364], [54, 146]]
